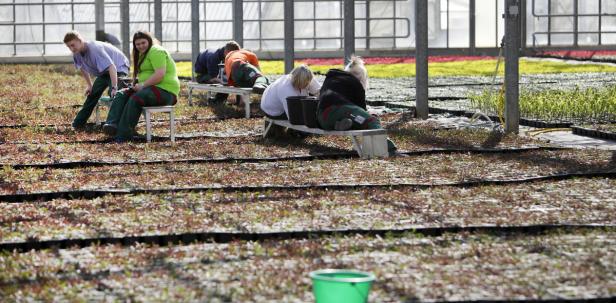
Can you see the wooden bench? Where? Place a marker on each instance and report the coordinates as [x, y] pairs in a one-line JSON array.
[[243, 92], [369, 143], [147, 114]]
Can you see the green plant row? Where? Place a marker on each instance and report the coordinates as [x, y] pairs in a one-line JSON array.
[[436, 69], [590, 105]]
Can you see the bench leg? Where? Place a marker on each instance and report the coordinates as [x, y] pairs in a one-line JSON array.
[[268, 126], [148, 126], [97, 118], [172, 127], [357, 146], [374, 146], [246, 100], [190, 92]]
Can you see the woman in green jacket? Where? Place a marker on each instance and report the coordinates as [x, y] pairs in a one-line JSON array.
[[155, 82]]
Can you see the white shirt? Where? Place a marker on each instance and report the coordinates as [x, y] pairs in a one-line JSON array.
[[274, 99]]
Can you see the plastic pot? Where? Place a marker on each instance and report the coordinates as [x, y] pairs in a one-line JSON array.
[[296, 115], [309, 108]]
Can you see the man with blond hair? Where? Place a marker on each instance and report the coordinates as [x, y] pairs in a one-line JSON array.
[[98, 59]]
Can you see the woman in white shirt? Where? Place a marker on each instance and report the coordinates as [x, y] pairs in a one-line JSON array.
[[300, 82]]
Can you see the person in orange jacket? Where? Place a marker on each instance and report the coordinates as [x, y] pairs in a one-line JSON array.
[[242, 69]]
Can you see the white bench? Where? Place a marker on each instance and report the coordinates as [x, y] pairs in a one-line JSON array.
[[147, 114], [243, 92], [147, 111], [103, 101], [368, 143]]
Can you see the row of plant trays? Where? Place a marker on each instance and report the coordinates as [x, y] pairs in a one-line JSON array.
[[523, 121], [595, 133], [287, 210], [412, 136], [60, 116], [470, 267], [576, 129], [432, 169]]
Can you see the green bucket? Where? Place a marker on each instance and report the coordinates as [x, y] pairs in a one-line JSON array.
[[105, 100], [340, 285]]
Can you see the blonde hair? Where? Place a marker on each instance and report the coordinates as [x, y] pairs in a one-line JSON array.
[[357, 68], [301, 77]]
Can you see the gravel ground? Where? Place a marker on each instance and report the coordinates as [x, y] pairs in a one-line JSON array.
[[452, 267], [561, 202], [562, 264]]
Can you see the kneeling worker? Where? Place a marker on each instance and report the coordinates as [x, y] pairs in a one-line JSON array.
[[206, 66], [242, 68], [342, 101]]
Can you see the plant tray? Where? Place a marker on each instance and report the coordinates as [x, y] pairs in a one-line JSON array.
[[588, 132]]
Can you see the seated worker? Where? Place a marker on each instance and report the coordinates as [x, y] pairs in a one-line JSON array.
[[157, 85], [242, 68], [342, 101], [101, 60], [206, 66], [300, 82]]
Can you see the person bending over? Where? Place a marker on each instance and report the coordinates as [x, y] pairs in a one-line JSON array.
[[206, 66], [98, 59], [207, 70], [155, 81], [342, 101], [300, 82], [242, 68]]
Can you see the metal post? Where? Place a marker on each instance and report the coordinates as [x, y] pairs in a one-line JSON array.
[[421, 59], [575, 23], [600, 29], [125, 28], [512, 40], [43, 11], [549, 22], [99, 19], [238, 21], [471, 27], [523, 26], [194, 22], [368, 25], [349, 30], [158, 20], [289, 36]]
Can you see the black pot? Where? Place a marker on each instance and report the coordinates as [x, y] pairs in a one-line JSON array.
[[309, 107], [294, 104]]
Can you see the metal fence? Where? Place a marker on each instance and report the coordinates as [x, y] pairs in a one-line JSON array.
[[34, 28]]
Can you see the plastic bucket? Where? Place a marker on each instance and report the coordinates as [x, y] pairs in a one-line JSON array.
[[341, 285], [106, 101], [294, 104], [309, 108]]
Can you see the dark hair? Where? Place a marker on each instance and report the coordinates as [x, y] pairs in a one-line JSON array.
[[232, 46], [136, 61], [72, 35]]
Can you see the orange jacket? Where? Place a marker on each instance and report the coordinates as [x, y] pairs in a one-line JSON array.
[[239, 55]]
